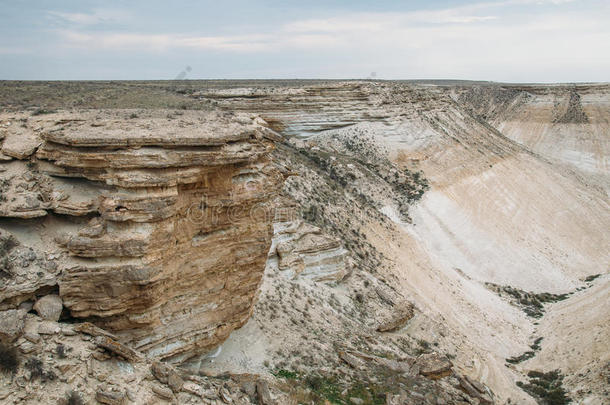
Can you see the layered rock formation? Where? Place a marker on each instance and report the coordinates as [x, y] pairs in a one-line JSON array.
[[303, 250], [517, 196], [157, 231]]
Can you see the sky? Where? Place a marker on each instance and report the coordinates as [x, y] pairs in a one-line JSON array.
[[498, 40]]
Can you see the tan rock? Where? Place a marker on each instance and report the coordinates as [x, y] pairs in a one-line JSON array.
[[399, 319], [264, 395], [20, 143], [48, 328], [49, 307], [475, 389], [12, 323], [434, 366], [305, 251], [117, 348], [352, 360], [182, 226], [163, 392], [110, 397], [32, 337], [193, 388]]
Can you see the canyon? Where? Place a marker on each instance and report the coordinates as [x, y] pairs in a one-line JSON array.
[[305, 241]]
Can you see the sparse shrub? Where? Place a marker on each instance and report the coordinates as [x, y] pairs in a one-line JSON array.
[[34, 366], [290, 375], [546, 387], [592, 278], [41, 111], [74, 398], [61, 351], [5, 267], [9, 358]]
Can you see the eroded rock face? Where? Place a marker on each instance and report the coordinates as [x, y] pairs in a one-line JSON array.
[[156, 232], [303, 250]]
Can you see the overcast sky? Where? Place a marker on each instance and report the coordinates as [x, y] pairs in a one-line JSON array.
[[500, 40]]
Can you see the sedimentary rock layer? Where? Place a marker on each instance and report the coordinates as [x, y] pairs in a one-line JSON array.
[[162, 230]]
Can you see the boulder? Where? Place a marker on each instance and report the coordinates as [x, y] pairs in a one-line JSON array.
[[20, 143], [110, 397], [399, 319], [434, 366], [12, 323], [49, 307], [264, 395], [475, 389]]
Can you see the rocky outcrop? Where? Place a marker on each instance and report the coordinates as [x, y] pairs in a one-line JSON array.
[[404, 313], [303, 250], [156, 231], [434, 366], [58, 363]]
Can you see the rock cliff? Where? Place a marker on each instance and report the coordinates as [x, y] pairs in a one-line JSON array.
[[156, 232]]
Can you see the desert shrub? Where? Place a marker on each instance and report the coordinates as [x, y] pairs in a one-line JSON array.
[[9, 358], [290, 375], [42, 111], [61, 351], [5, 267], [74, 398], [592, 278], [34, 366], [324, 388], [546, 388]]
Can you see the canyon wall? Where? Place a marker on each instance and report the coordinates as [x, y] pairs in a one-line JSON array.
[[155, 229]]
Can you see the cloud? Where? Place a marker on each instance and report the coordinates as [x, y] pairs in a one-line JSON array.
[[101, 16], [494, 40], [303, 34]]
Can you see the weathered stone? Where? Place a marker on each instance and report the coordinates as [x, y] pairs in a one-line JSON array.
[[264, 395], [27, 347], [249, 387], [306, 252], [352, 360], [90, 329], [475, 389], [174, 209], [12, 323], [225, 396], [175, 382], [48, 328], [217, 130], [360, 361], [117, 348], [162, 371], [399, 319], [193, 388], [163, 392], [32, 337], [434, 366], [49, 307], [20, 143], [68, 330], [110, 397]]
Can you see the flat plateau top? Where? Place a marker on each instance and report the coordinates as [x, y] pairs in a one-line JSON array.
[[120, 128]]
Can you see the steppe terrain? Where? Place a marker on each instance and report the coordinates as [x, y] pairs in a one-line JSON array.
[[364, 242]]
